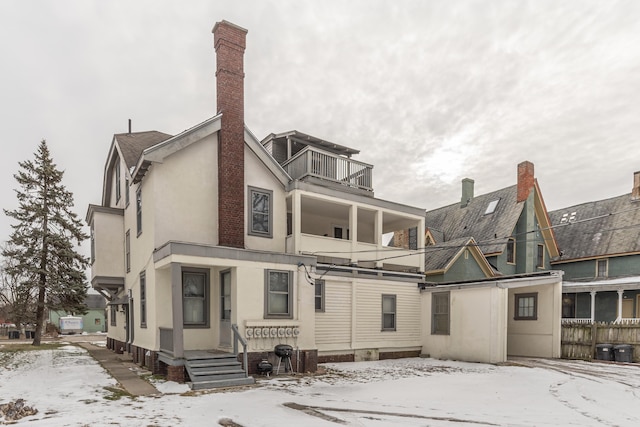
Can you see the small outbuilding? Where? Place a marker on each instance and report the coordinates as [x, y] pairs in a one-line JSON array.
[[491, 319]]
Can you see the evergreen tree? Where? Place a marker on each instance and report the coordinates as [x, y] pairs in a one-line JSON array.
[[41, 245]]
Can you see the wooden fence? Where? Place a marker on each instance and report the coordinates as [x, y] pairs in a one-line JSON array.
[[579, 340]]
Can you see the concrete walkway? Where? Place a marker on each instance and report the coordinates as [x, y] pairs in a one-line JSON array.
[[121, 367]]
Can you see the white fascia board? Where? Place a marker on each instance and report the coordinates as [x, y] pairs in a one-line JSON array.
[[258, 149], [160, 151]]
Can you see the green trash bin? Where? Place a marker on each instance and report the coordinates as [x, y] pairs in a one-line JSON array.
[[623, 353]]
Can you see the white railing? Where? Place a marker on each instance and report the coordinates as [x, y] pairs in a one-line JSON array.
[[324, 165], [627, 321], [566, 320]]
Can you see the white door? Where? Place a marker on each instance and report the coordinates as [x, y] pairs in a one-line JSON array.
[[225, 309]]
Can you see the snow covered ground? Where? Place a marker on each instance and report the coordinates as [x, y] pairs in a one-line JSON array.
[[69, 388]]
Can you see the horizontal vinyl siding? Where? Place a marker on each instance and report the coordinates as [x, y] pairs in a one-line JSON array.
[[369, 314], [334, 324]]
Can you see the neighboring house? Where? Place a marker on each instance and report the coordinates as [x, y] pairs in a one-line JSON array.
[[93, 321], [210, 237], [599, 246], [504, 232]]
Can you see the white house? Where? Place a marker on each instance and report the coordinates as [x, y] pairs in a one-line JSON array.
[[210, 239]]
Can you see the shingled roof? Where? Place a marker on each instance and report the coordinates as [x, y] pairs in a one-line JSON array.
[[600, 228], [133, 144], [490, 230]]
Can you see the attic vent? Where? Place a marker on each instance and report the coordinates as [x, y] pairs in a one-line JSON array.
[[492, 206]]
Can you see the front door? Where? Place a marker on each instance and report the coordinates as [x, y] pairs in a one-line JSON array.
[[225, 309]]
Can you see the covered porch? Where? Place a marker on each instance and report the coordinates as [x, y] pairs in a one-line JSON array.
[[610, 300]]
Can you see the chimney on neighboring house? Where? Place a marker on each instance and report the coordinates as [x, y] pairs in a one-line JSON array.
[[525, 180], [467, 192], [635, 193], [230, 42]]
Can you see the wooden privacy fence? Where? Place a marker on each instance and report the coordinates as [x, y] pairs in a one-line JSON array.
[[579, 340]]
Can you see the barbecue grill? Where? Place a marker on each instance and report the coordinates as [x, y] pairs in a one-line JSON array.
[[284, 351]]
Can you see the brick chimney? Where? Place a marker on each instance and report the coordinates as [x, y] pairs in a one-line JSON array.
[[635, 193], [230, 42], [467, 192], [525, 180]]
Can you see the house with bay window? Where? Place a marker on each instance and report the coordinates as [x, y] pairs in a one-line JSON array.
[[212, 247]]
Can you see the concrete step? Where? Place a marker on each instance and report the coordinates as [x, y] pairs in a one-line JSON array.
[[213, 363]]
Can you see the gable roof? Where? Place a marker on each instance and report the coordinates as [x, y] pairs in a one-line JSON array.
[[133, 144], [600, 228], [489, 230], [439, 258]]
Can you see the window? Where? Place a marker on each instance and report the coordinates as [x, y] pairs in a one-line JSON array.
[[278, 295], [526, 307], [440, 313], [93, 245], [195, 298], [602, 268], [388, 312], [540, 257], [118, 191], [511, 250], [491, 208], [260, 218], [113, 308], [143, 300], [139, 209], [569, 306], [225, 295], [413, 238], [126, 191], [127, 251], [319, 295]]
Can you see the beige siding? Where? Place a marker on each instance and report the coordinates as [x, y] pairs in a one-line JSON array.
[[369, 315], [333, 326]]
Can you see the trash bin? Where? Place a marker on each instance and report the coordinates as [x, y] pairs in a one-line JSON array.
[[604, 352], [14, 335], [623, 353]]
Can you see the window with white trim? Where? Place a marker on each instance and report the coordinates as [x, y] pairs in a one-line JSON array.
[[319, 295], [602, 268]]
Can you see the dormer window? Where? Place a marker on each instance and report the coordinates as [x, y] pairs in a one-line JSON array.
[[118, 192], [492, 207]]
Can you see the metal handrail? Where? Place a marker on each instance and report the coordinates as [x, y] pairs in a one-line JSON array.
[[237, 337]]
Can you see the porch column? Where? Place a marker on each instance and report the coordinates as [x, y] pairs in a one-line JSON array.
[[593, 306], [378, 230], [353, 235], [296, 221], [620, 303], [176, 309]]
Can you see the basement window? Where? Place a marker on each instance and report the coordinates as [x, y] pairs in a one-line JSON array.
[[492, 207]]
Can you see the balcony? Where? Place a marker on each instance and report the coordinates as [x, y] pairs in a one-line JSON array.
[[318, 164]]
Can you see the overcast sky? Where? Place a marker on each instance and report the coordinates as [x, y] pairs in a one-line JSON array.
[[430, 92]]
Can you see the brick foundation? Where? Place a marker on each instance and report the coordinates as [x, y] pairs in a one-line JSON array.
[[308, 361], [335, 358], [175, 373], [399, 354]]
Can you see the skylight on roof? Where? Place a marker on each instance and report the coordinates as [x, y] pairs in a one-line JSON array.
[[492, 206]]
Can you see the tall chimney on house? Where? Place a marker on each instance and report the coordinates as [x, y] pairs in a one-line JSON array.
[[467, 192], [525, 180], [635, 193], [230, 42]]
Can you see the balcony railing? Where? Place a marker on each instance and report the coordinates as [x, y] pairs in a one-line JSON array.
[[323, 165]]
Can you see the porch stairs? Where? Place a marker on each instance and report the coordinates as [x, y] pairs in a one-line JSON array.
[[211, 370]]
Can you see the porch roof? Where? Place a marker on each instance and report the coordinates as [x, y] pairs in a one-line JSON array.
[[618, 284]]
